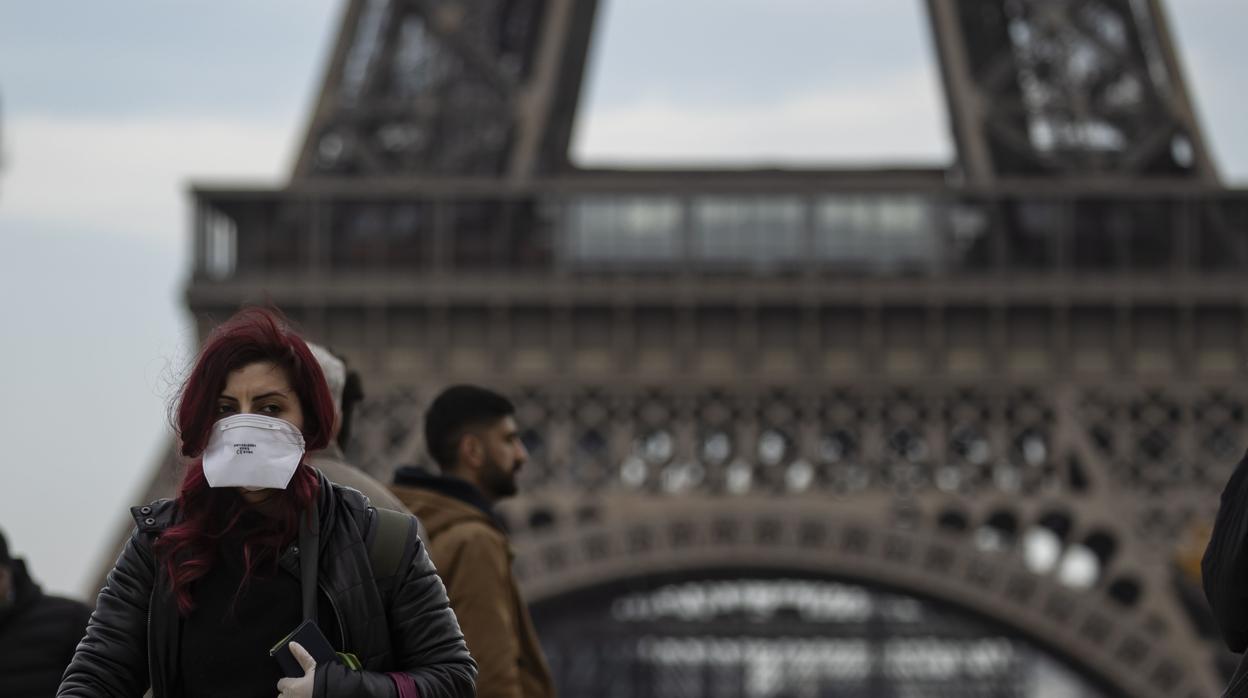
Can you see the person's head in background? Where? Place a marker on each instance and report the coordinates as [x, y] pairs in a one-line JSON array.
[[346, 389], [471, 434]]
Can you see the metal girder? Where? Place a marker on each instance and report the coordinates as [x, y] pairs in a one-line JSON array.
[[431, 87], [1055, 89]]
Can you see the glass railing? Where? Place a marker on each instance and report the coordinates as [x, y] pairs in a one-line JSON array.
[[872, 233]]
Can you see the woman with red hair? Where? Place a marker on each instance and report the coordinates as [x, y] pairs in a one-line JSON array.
[[208, 590]]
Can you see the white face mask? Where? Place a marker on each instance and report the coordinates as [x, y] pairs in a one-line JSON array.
[[252, 451]]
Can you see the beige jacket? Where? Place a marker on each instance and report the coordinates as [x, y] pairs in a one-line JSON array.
[[474, 558]]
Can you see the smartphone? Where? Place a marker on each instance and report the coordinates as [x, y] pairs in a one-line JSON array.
[[312, 639]]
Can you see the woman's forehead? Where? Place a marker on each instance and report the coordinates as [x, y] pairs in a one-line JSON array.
[[258, 377]]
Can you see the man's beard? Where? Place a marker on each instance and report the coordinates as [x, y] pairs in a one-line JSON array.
[[497, 482]]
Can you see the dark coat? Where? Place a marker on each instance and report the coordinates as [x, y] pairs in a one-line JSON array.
[[469, 545], [1224, 568], [131, 642], [38, 634]]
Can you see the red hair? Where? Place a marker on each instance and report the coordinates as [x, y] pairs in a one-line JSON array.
[[189, 548]]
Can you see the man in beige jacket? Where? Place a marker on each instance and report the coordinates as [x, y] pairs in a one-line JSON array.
[[471, 434]]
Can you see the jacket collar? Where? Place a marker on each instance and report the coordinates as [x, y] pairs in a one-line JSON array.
[[325, 504], [446, 485]]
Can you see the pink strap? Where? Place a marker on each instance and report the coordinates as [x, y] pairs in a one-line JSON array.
[[405, 684]]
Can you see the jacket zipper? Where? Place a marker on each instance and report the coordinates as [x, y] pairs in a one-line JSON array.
[[342, 629], [151, 675]]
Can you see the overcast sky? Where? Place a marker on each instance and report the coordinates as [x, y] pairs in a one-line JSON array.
[[111, 108]]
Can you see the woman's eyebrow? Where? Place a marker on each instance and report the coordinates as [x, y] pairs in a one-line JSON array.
[[271, 393], [262, 396]]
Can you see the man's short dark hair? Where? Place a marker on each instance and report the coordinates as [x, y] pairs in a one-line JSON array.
[[456, 410]]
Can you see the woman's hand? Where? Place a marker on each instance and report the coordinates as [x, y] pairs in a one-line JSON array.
[[300, 687]]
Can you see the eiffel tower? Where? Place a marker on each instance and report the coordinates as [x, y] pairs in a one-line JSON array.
[[954, 431]]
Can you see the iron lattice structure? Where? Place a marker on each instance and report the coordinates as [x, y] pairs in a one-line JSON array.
[[1062, 87], [1003, 395]]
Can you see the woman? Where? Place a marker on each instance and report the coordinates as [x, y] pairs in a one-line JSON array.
[[211, 583]]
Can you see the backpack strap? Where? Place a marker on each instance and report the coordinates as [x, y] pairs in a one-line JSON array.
[[309, 558], [388, 547]]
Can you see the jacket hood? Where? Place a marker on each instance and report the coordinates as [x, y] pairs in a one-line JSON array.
[[25, 591], [442, 501]]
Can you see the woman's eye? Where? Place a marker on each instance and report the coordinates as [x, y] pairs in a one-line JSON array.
[[270, 409], [224, 409]]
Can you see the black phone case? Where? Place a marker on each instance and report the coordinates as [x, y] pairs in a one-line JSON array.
[[312, 639]]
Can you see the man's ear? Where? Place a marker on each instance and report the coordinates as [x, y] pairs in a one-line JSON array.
[[471, 450]]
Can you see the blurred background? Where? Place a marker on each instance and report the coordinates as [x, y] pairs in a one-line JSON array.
[[884, 349]]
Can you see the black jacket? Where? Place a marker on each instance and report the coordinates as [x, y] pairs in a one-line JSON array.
[[38, 634], [131, 642], [1224, 568]]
